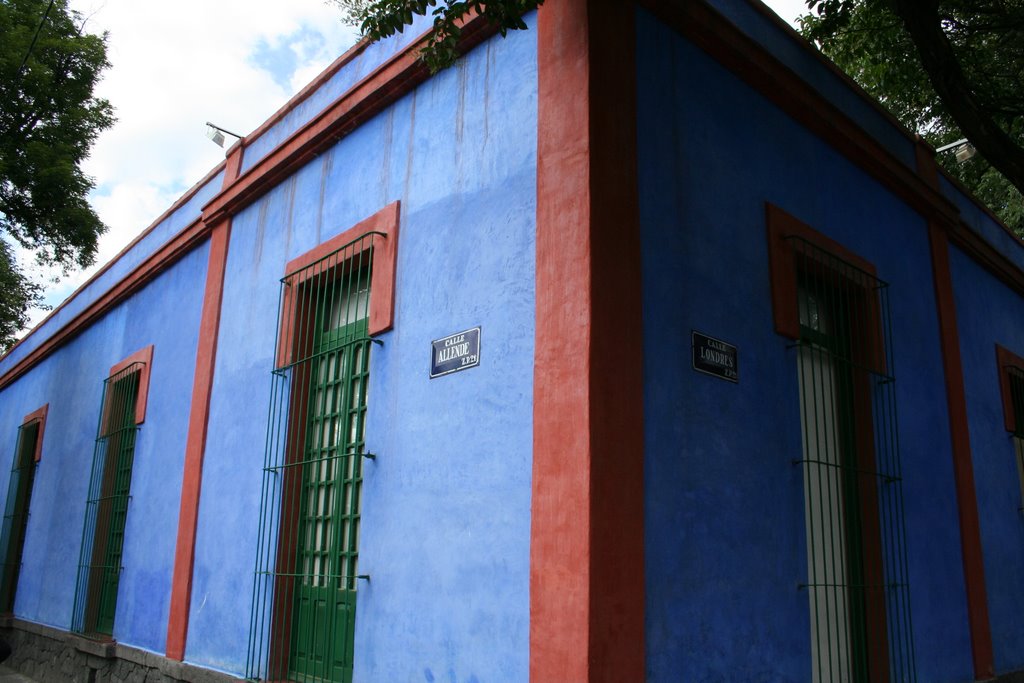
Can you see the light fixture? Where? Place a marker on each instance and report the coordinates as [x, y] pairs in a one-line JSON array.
[[964, 150], [216, 133]]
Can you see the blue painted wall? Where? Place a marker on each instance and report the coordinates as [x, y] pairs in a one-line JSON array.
[[989, 313], [725, 540], [166, 314], [446, 506]]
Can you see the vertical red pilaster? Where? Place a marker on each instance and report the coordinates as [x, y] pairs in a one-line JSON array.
[[199, 413], [963, 468], [586, 558]]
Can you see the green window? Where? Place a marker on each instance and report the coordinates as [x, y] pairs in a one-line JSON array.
[[19, 495], [857, 587], [106, 510], [304, 603]]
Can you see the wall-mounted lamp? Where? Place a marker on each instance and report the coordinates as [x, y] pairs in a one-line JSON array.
[[216, 133], [964, 150]]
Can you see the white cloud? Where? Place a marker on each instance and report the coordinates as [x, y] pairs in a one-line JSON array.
[[174, 67]]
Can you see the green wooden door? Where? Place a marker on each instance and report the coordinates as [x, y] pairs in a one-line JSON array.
[[327, 545], [112, 507], [15, 520]]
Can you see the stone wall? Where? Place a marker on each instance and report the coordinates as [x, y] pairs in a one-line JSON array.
[[50, 655]]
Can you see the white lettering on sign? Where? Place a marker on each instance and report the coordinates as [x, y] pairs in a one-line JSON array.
[[717, 357], [450, 352]]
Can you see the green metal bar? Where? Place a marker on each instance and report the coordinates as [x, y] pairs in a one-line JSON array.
[[310, 496], [107, 502]]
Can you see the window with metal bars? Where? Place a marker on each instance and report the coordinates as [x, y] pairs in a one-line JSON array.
[[858, 595], [108, 498], [304, 595], [1011, 384], [19, 496]]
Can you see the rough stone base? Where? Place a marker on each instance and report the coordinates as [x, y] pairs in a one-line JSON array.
[[50, 655]]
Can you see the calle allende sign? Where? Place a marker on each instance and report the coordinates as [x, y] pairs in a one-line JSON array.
[[459, 351]]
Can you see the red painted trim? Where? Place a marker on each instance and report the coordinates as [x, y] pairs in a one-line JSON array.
[[963, 469], [587, 530], [144, 357], [1005, 359], [382, 278], [972, 557], [198, 422], [38, 415]]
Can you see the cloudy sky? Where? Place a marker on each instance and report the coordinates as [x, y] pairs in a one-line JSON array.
[[175, 66]]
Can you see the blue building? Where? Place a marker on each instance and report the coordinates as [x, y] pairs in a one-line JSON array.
[[638, 346]]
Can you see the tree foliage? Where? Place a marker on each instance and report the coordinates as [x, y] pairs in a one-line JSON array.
[[378, 19], [49, 119], [948, 69]]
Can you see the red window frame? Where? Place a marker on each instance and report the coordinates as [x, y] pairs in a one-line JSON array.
[[144, 357], [382, 277], [1004, 360], [38, 415]]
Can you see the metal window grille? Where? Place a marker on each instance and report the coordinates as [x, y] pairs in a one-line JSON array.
[[304, 590], [856, 548], [19, 493], [106, 508]]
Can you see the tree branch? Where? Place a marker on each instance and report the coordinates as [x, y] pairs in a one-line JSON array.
[[921, 19]]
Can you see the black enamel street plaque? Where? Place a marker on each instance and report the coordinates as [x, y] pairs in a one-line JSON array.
[[715, 357], [459, 351]]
